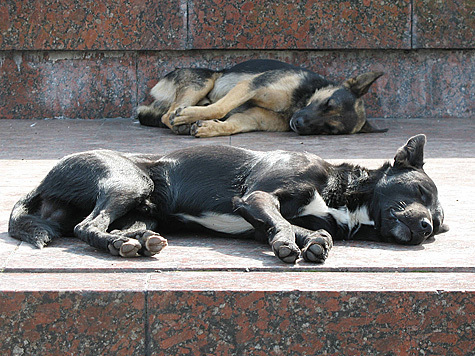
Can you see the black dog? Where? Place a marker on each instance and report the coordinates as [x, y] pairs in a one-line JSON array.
[[258, 95], [297, 202]]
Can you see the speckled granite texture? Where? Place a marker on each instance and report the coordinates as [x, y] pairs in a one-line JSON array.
[[112, 84], [92, 25], [77, 59], [444, 24], [65, 323], [205, 295], [265, 24], [260, 24]]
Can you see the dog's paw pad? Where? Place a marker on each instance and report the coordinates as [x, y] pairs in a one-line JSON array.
[[317, 247], [130, 248], [286, 251], [314, 253], [125, 247], [154, 244]]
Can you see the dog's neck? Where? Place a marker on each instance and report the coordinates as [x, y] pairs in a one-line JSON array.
[[351, 186]]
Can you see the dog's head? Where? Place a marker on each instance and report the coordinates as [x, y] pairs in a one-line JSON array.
[[336, 109], [405, 207]]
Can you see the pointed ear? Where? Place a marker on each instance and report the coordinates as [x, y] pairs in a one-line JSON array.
[[360, 85], [411, 154], [368, 128]]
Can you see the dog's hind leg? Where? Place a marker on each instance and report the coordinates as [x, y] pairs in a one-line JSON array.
[[254, 119], [237, 96], [187, 97], [261, 210], [182, 87], [138, 227], [110, 206]]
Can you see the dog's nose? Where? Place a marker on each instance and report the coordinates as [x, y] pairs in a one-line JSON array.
[[426, 227], [297, 123]]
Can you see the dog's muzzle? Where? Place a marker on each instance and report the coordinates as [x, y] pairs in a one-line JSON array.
[[410, 230]]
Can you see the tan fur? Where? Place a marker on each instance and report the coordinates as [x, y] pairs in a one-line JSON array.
[[361, 113], [255, 119], [187, 97]]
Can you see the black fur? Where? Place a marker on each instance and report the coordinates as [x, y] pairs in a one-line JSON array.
[[297, 202]]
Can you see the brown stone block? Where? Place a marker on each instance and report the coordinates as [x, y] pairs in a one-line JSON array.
[[444, 24], [310, 24], [92, 25], [67, 84]]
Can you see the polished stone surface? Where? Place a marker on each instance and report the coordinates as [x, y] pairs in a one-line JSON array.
[[211, 295]]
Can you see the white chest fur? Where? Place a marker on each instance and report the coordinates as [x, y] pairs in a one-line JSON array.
[[343, 216]]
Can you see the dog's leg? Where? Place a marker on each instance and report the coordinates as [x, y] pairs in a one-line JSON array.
[[315, 245], [254, 119], [237, 96], [111, 205], [261, 210], [187, 97]]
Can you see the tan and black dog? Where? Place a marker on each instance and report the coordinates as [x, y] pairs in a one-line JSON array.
[[257, 95]]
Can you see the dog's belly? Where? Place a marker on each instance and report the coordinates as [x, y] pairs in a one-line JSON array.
[[225, 223]]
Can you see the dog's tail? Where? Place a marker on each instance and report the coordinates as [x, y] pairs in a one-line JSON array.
[[27, 225], [151, 115], [164, 93]]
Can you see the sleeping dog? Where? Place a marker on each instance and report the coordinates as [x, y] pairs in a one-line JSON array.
[[295, 201], [257, 95]]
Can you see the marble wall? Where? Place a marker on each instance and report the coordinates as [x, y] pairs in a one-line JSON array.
[[80, 59]]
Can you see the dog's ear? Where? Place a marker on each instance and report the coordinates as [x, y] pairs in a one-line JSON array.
[[360, 85], [368, 128], [412, 153]]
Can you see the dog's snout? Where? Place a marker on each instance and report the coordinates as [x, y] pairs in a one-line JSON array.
[[426, 227], [297, 123]]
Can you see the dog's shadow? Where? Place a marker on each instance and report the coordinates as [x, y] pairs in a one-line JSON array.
[[199, 251]]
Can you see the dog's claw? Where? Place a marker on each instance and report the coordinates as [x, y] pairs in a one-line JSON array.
[[195, 128], [175, 119]]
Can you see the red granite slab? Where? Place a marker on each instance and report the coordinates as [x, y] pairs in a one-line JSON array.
[[60, 323], [67, 84], [318, 24], [444, 24], [449, 150], [309, 323], [208, 295], [112, 84], [89, 25]]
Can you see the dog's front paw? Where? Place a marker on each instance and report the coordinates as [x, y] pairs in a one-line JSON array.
[[317, 246], [182, 116], [286, 250], [125, 247], [208, 128]]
